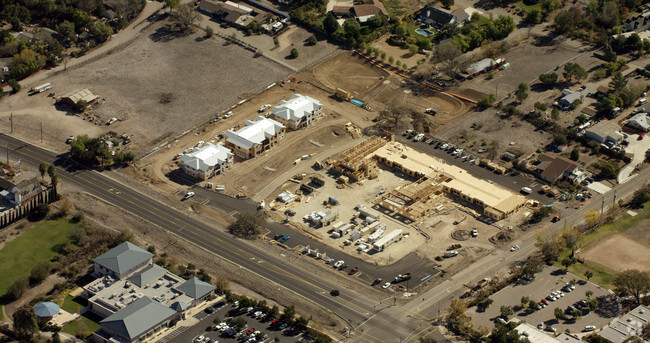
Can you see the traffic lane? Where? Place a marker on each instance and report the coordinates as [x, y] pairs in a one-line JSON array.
[[514, 182], [195, 231]]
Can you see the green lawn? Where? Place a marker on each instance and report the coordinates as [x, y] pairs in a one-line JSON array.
[[84, 325], [71, 305], [527, 8], [2, 315], [603, 276], [36, 245]]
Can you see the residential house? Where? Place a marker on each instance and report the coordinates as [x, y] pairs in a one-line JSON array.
[[297, 112], [601, 91], [639, 122], [461, 15], [436, 17], [22, 192], [122, 261], [552, 168], [135, 322], [605, 132], [568, 99], [629, 325], [207, 161], [257, 136], [368, 9]]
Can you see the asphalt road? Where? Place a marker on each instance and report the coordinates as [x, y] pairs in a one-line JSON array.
[[354, 308]]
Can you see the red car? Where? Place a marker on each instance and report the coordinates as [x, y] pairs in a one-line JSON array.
[[250, 331], [275, 322], [641, 136], [353, 271], [544, 301]]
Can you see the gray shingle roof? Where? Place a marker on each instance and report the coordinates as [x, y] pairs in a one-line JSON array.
[[151, 273], [195, 288], [123, 257], [137, 318]]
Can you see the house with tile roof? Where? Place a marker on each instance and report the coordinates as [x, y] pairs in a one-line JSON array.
[[207, 161], [256, 137], [122, 261]]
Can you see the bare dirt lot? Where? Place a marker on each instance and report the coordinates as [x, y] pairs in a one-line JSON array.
[[201, 77], [628, 250]]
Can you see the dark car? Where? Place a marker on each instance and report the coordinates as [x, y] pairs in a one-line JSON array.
[[353, 271], [335, 292], [278, 237]]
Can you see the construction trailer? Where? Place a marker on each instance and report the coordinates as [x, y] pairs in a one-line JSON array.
[[387, 240], [343, 95]]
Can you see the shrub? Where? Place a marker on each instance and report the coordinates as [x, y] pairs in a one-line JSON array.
[[294, 53]]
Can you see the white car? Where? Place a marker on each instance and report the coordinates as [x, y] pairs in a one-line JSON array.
[[362, 247], [540, 325], [329, 261], [228, 115], [418, 138], [338, 263], [386, 285], [264, 108], [589, 328], [188, 195], [514, 247], [257, 314]]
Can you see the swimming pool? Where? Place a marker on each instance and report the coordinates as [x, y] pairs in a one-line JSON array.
[[423, 32]]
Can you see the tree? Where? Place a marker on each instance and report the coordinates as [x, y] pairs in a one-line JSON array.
[[548, 79], [15, 86], [330, 23], [540, 106], [40, 272], [559, 314], [294, 53], [589, 274], [632, 281], [524, 301], [576, 313], [55, 337], [447, 3], [172, 4], [532, 305], [238, 323], [222, 284], [533, 266], [451, 59], [413, 49], [392, 116], [82, 105], [51, 171], [560, 139], [506, 311], [555, 114], [574, 71], [352, 28], [248, 225], [486, 101], [589, 293], [312, 40], [17, 288], [534, 16], [484, 303], [42, 168], [618, 82], [25, 324], [301, 323], [521, 92], [551, 5], [209, 32], [67, 31], [288, 314], [185, 16], [567, 262], [575, 154], [456, 309], [391, 59]]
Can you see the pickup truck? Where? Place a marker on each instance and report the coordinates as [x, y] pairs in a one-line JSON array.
[[402, 277]]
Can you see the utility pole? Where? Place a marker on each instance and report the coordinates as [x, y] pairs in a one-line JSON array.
[[602, 209], [11, 120], [41, 132]]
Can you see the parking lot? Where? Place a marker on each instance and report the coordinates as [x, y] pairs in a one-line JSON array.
[[511, 181], [225, 313], [549, 280]]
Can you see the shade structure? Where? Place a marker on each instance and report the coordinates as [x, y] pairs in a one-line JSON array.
[[46, 309]]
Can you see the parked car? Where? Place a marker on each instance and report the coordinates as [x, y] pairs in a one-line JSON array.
[[386, 285], [338, 264], [353, 271], [589, 328], [551, 329], [285, 238], [514, 247], [188, 195], [540, 325], [69, 140]]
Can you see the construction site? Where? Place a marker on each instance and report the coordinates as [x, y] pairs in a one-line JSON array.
[[382, 200]]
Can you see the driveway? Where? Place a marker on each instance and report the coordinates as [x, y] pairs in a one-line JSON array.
[[638, 148]]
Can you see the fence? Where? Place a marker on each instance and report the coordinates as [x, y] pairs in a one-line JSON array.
[[14, 214]]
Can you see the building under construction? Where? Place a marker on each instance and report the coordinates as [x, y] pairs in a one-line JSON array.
[[413, 201], [353, 166]]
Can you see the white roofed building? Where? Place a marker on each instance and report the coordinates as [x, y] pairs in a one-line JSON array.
[[257, 136], [297, 112], [207, 161]]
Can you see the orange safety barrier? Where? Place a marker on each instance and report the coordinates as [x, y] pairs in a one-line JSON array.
[[390, 68]]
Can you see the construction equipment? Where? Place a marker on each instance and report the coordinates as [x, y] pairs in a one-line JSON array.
[[343, 95]]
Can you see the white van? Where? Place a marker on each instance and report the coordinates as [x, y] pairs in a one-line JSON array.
[[526, 190], [643, 101]]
